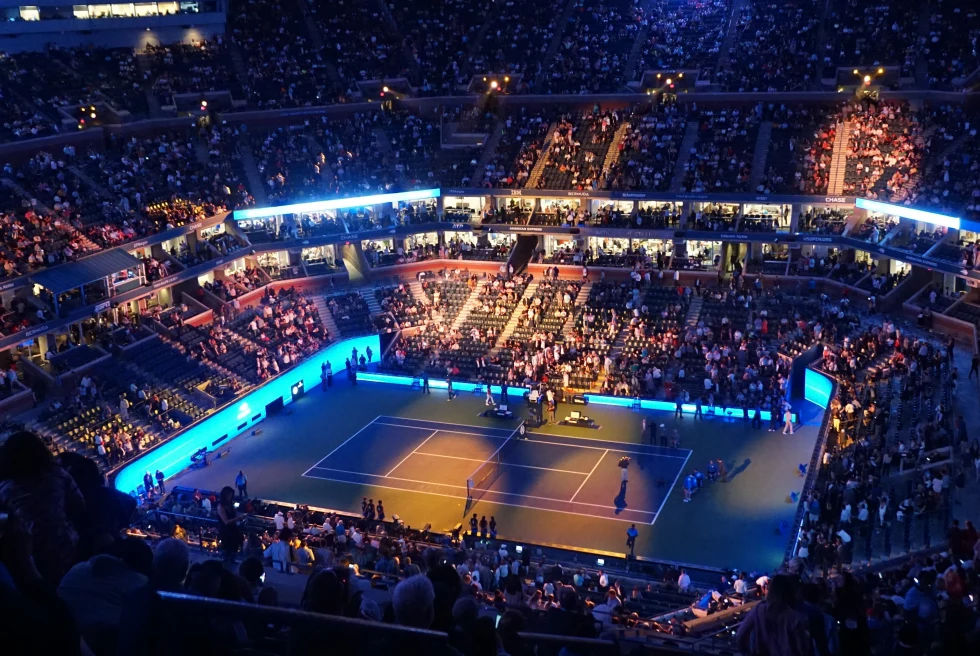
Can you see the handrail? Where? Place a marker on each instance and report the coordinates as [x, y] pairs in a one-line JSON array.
[[271, 614]]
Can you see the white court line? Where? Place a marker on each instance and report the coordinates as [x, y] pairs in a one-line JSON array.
[[442, 430], [671, 489], [433, 434], [341, 445], [446, 423], [569, 446], [463, 487], [506, 464], [589, 475], [484, 500]]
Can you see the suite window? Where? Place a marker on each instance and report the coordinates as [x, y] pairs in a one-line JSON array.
[[123, 10], [30, 13]]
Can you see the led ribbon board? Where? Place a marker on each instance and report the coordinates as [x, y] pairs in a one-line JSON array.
[[335, 204], [908, 213], [217, 430]]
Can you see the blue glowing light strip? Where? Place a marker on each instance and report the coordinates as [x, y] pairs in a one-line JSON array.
[[908, 213], [335, 204], [174, 456], [598, 399]]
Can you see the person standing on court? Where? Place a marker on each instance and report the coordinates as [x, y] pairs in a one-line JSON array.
[[241, 482], [484, 527], [631, 534], [643, 431], [624, 465], [449, 385], [663, 435], [425, 382], [474, 523], [323, 376], [329, 375], [679, 406], [381, 511], [697, 408], [788, 420]]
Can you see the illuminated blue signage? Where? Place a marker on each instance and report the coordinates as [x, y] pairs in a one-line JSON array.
[[908, 213], [335, 204], [817, 388], [216, 430]]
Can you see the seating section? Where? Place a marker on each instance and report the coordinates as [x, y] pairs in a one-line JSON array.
[[595, 49], [183, 68], [774, 47], [351, 314], [282, 67], [648, 153], [723, 153], [363, 46], [438, 34], [874, 35], [684, 36], [578, 150], [801, 150]]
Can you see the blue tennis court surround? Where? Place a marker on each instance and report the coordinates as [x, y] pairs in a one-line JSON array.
[[556, 473]]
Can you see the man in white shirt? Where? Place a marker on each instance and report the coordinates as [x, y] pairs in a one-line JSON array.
[[683, 582], [741, 585], [279, 520], [763, 584]]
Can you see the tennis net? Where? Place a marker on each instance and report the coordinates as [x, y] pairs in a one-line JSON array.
[[486, 474]]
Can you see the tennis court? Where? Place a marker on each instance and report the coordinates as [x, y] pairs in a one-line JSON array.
[[484, 466]]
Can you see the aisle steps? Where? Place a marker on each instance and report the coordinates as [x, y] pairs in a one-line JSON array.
[[515, 315]]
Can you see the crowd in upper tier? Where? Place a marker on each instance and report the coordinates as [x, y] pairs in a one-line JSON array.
[[278, 54]]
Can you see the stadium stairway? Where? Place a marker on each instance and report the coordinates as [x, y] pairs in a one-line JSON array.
[[694, 311], [511, 325], [26, 195], [238, 62], [568, 329], [316, 38], [921, 70], [384, 145], [372, 302], [464, 312], [612, 155], [684, 154], [761, 154], [489, 148], [143, 63], [90, 181], [255, 184], [539, 166], [838, 162], [729, 42], [326, 318], [635, 51], [201, 153], [555, 44], [213, 364]]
